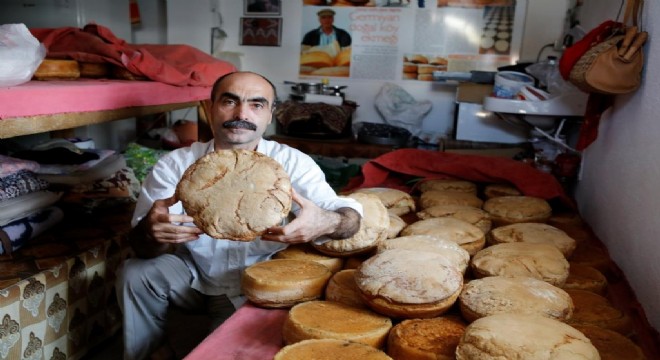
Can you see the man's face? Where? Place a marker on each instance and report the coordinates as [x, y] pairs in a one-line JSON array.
[[326, 20], [241, 111]]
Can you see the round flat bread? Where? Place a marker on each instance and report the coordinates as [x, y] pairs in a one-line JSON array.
[[520, 295], [518, 336], [540, 261], [235, 194], [408, 283], [373, 229], [533, 233], [396, 201]]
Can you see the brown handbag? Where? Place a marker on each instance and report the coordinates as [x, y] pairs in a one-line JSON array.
[[613, 66]]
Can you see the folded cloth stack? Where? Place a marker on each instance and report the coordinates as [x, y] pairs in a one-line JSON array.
[[90, 178], [26, 204]]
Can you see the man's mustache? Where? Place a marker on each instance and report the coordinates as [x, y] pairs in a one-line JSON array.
[[239, 124]]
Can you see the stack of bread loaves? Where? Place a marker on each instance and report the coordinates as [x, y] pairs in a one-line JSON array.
[[467, 275]]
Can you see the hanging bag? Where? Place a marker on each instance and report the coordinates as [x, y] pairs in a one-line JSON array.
[[608, 60]]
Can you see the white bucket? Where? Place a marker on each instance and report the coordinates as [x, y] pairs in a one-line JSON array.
[[508, 83]]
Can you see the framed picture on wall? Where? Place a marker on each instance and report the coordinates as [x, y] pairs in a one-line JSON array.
[[261, 31], [262, 7]]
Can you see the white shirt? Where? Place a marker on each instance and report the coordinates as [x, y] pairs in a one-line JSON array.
[[217, 265]]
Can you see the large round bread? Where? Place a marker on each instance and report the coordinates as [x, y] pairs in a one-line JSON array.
[[54, 69], [447, 185], [584, 277], [343, 289], [282, 283], [468, 236], [330, 349], [332, 320], [533, 233], [317, 59], [235, 194], [452, 253], [610, 344], [506, 210], [597, 310], [495, 190], [408, 284], [373, 229], [520, 295], [528, 337], [396, 201], [426, 339], [306, 251], [396, 225], [437, 197], [470, 214], [540, 261]]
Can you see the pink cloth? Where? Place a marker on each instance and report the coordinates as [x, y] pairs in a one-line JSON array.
[[82, 95], [251, 333], [178, 65]]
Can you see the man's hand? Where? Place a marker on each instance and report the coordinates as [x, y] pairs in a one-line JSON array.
[[158, 229], [313, 222]]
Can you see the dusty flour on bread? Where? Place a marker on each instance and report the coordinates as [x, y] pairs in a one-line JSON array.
[[235, 194]]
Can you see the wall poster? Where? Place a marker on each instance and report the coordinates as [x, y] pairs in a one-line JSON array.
[[408, 39]]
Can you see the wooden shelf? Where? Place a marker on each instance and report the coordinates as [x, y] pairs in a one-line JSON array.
[[51, 122], [43, 106]]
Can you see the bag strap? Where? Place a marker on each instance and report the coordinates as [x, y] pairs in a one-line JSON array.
[[632, 13]]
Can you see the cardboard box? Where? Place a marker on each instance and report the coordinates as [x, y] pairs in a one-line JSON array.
[[473, 93]]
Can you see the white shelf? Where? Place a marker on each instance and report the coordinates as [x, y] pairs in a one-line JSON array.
[[566, 104]]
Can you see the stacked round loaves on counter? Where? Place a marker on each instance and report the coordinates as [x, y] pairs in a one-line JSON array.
[[453, 270]]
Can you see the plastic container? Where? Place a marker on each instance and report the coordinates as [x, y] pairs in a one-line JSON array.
[[508, 83]]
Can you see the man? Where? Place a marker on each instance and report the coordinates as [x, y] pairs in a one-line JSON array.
[[204, 272], [327, 32]]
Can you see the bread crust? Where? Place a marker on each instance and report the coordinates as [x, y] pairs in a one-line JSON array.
[[396, 201], [431, 198], [509, 336], [540, 261], [448, 185], [235, 194], [506, 210], [470, 214], [343, 289], [610, 344], [597, 310], [373, 229], [57, 69], [320, 319], [468, 236], [452, 253], [521, 295], [533, 233], [329, 349], [585, 277], [282, 283], [426, 339], [408, 284], [306, 251]]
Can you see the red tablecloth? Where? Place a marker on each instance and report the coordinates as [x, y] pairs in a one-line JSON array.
[[251, 333]]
